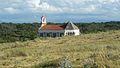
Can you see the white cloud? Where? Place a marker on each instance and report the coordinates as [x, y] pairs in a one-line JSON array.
[[33, 3], [10, 10], [107, 1], [45, 7], [59, 6]]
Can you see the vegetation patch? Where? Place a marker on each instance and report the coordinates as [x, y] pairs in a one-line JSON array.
[[94, 50]]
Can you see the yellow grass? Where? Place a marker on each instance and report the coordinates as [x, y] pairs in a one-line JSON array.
[[98, 50]]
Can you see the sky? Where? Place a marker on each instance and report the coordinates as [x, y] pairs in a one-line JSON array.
[[29, 11]]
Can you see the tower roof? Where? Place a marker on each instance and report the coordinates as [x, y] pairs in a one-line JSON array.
[[42, 16]]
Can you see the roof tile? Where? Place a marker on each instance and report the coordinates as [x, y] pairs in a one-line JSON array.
[[53, 27]]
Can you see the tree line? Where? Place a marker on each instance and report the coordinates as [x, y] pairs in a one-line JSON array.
[[11, 32], [98, 27]]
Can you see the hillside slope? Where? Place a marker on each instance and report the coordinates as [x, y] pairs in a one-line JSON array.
[[98, 50]]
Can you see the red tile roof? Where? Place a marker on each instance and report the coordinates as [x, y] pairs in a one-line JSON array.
[[53, 27]]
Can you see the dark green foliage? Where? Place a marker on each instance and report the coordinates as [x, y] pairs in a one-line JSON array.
[[10, 32], [98, 27]]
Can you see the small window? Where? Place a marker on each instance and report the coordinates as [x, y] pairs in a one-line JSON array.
[[61, 34], [70, 33], [48, 34], [41, 34], [54, 34], [73, 33]]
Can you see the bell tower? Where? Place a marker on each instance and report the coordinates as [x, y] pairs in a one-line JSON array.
[[43, 21]]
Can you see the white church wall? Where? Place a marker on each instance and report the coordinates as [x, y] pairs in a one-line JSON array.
[[76, 32]]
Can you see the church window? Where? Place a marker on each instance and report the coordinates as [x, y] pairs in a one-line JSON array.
[[41, 34]]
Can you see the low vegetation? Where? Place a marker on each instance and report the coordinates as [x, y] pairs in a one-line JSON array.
[[93, 50]]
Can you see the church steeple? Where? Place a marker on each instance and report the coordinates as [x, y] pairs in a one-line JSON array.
[[43, 21]]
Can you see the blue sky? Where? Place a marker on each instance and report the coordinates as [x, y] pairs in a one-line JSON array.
[[29, 11]]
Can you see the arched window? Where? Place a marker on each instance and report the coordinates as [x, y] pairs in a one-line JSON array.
[[48, 34], [70, 33], [41, 34], [54, 34], [61, 34], [73, 33], [66, 33]]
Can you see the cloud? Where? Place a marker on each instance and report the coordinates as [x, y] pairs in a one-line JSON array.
[[10, 10], [108, 8], [60, 6]]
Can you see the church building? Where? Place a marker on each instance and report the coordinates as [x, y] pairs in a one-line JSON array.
[[57, 30]]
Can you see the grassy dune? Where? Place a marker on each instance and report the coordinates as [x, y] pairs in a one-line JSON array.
[[97, 50]]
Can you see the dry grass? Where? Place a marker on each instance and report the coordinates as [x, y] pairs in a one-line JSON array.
[[99, 50]]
